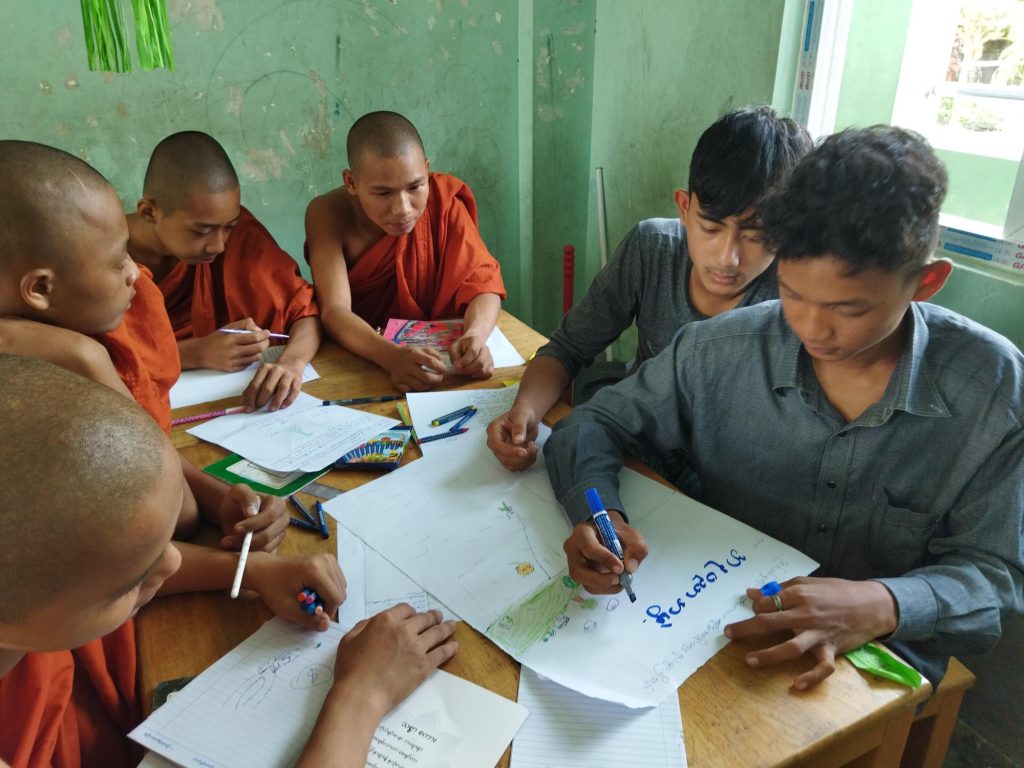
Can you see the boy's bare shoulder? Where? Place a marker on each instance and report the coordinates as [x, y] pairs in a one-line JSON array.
[[335, 205]]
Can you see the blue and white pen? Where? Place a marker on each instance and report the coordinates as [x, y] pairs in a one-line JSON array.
[[608, 536]]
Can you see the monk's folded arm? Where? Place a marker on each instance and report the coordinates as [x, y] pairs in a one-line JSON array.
[[482, 315]]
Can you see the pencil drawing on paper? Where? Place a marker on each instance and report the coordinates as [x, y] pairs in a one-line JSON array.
[[538, 617], [251, 693], [312, 676]]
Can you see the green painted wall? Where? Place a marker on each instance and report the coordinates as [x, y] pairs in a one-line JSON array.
[[279, 84], [521, 98]]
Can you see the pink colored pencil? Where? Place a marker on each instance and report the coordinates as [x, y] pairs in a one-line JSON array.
[[204, 416]]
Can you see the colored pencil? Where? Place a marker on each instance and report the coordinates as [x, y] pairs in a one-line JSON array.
[[443, 435], [204, 416], [362, 400], [244, 330], [323, 520], [243, 556]]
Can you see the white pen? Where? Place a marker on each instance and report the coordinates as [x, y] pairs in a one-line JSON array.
[[236, 585], [244, 330]]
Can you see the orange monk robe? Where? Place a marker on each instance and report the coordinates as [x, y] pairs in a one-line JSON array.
[[73, 709], [432, 272], [252, 278], [144, 351]]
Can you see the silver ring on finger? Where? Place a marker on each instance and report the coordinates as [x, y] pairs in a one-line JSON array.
[[777, 599]]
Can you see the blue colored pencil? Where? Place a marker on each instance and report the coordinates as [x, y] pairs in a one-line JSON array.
[[323, 520]]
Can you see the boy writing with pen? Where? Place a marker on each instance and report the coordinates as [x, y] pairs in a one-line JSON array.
[[220, 270], [70, 294], [88, 505], [881, 435]]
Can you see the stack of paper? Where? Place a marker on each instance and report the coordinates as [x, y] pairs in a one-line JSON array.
[[307, 436]]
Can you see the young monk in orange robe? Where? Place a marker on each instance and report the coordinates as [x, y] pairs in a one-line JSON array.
[[65, 276], [218, 267], [79, 569], [399, 241], [144, 351]]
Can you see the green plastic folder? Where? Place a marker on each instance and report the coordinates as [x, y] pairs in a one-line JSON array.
[[235, 469]]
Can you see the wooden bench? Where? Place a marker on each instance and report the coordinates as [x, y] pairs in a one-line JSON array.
[[933, 726]]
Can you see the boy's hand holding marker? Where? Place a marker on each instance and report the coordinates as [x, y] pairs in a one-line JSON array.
[[279, 579], [594, 565]]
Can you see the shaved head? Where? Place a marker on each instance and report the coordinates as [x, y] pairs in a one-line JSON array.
[[184, 162], [78, 461], [40, 190], [382, 134]]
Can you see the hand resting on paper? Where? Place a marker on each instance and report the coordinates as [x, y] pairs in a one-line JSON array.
[[828, 617], [279, 579], [275, 385], [225, 351], [596, 567], [512, 438], [380, 662], [471, 357]]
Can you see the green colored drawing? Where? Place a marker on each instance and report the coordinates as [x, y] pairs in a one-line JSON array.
[[533, 617]]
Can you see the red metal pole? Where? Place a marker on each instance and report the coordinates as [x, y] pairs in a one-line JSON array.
[[568, 273]]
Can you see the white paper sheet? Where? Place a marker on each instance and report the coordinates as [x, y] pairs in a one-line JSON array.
[[204, 385], [258, 704], [373, 584], [569, 730], [307, 436], [490, 403], [488, 543], [504, 354]]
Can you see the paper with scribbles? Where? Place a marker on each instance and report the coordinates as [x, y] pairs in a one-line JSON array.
[[488, 544], [258, 704]]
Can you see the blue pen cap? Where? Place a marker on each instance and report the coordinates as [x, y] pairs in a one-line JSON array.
[[771, 588], [594, 500]]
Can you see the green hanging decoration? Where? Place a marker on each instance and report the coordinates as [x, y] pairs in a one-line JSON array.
[[106, 40]]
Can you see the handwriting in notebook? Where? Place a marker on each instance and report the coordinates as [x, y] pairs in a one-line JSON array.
[[257, 707]]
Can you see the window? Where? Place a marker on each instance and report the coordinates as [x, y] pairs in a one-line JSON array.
[[962, 80]]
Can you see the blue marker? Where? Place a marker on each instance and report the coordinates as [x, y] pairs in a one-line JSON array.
[[608, 536]]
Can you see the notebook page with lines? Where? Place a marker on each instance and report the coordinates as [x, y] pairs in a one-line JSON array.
[[569, 730], [258, 704]]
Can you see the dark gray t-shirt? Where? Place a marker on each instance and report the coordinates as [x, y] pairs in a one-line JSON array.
[[646, 281]]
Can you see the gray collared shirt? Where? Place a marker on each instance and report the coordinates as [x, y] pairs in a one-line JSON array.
[[924, 491], [647, 281]]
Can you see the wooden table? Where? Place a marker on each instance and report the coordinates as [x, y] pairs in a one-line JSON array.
[[732, 715]]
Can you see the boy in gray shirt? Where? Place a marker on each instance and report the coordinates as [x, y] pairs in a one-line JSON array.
[[668, 272], [879, 434]]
